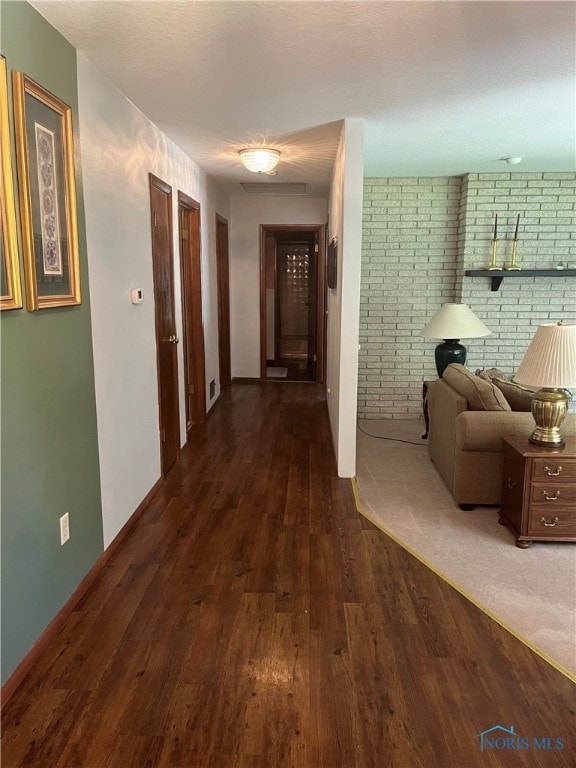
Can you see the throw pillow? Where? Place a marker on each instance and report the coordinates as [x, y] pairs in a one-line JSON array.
[[518, 398], [481, 395], [490, 373]]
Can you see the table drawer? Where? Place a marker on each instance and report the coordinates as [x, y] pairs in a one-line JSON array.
[[553, 494], [543, 521], [564, 470]]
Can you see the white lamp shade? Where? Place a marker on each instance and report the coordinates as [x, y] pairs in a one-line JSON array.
[[550, 360], [259, 160], [455, 321]]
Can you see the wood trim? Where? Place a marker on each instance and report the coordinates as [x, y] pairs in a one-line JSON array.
[[223, 288], [191, 285], [17, 677], [263, 230], [321, 305], [246, 380]]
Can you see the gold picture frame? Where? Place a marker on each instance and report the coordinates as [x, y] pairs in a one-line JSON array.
[[47, 193], [10, 290]]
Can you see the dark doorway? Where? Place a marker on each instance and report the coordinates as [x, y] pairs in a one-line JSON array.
[[166, 339], [292, 303]]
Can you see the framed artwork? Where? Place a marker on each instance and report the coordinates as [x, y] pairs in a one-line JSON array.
[[44, 153], [332, 266], [10, 292]]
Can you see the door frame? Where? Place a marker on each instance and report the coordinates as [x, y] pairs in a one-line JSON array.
[[156, 182], [319, 230], [223, 282], [192, 320]]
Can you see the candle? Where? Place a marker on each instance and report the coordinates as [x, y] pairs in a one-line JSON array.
[[517, 225], [495, 227]]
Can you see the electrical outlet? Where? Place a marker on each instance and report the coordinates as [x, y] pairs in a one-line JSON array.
[[64, 529]]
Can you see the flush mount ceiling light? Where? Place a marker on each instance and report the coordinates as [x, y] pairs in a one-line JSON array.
[[260, 160], [513, 159]]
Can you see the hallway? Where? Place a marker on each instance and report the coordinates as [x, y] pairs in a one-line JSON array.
[[253, 619]]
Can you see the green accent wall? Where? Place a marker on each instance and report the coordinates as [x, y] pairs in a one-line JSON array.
[[49, 448]]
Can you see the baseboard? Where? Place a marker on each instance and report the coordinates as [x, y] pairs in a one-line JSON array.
[[213, 405], [246, 380], [17, 677]]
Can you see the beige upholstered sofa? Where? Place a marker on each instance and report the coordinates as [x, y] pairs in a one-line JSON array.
[[465, 445]]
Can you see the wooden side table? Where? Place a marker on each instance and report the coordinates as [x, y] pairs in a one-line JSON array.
[[539, 491]]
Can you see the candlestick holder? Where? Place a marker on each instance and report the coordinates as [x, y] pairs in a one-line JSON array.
[[513, 266], [493, 264]]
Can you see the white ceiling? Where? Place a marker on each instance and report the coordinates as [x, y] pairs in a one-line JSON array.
[[444, 87]]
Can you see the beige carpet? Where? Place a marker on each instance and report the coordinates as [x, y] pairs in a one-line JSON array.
[[531, 591]]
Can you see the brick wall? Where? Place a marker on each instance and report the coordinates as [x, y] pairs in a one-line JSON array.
[[420, 235]]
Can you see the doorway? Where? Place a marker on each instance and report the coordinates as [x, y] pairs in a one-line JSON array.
[[192, 325], [166, 339], [292, 303]]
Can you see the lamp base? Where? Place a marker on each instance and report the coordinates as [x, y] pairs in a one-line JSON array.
[[549, 407], [450, 351]]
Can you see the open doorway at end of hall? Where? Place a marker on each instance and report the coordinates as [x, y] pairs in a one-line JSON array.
[[292, 298]]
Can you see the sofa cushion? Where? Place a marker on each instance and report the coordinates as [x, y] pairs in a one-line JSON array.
[[481, 395], [488, 374], [518, 398]]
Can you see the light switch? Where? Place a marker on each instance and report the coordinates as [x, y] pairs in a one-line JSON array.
[[136, 295]]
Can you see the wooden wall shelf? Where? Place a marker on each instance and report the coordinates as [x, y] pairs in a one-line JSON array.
[[497, 275]]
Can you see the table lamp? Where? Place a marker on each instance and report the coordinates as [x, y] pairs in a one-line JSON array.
[[453, 322], [549, 363]]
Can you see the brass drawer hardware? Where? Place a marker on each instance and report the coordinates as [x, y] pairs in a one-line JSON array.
[[553, 497], [550, 524], [553, 472]]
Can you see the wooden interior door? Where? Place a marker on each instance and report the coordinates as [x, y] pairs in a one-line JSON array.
[[223, 300], [166, 339], [293, 292], [192, 325]]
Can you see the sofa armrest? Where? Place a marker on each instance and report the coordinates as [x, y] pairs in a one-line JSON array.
[[444, 405], [484, 430]]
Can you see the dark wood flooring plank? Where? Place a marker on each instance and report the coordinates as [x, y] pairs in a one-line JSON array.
[[253, 619]]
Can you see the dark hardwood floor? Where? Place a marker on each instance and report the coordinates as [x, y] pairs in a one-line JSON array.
[[253, 619]]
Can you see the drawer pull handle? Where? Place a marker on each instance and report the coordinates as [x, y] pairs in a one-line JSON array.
[[553, 497], [550, 524], [553, 472], [511, 483]]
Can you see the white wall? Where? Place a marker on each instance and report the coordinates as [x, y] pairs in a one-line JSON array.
[[247, 214], [344, 302], [119, 147]]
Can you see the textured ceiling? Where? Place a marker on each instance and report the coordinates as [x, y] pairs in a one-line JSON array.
[[444, 87]]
